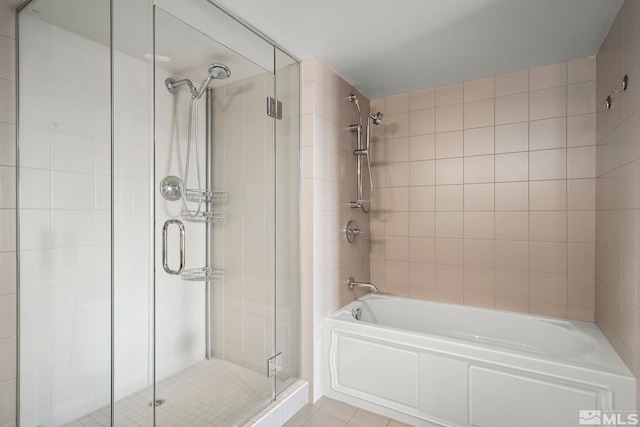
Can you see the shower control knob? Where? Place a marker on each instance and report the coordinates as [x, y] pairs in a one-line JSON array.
[[352, 231], [171, 188]]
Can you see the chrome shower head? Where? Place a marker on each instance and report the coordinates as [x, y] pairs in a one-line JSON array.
[[216, 71], [376, 118], [219, 71]]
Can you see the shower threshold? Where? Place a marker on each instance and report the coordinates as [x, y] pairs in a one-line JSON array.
[[209, 393]]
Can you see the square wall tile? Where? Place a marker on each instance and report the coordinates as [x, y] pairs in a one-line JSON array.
[[422, 99], [397, 103], [422, 224], [449, 144], [479, 197], [478, 225], [422, 147], [512, 138], [548, 195], [512, 196], [420, 173], [548, 287], [581, 70], [581, 162], [449, 171], [512, 225], [397, 150], [422, 122], [479, 113], [512, 108], [581, 291], [479, 281], [581, 98], [421, 250], [581, 226], [548, 257], [512, 167], [548, 76], [549, 133], [397, 174], [548, 103], [478, 169], [449, 252], [581, 194], [449, 198], [449, 225], [548, 226], [452, 94], [512, 284], [479, 89], [582, 259], [581, 130], [449, 118], [548, 164], [422, 199], [396, 272], [512, 255], [479, 141], [397, 125], [422, 275], [509, 83], [449, 278]]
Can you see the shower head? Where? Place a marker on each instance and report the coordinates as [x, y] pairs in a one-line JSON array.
[[216, 71], [219, 71], [376, 118]]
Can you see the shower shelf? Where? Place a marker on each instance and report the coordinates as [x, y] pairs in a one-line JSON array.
[[204, 274], [203, 216], [206, 196]]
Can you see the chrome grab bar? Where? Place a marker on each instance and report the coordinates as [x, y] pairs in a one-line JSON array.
[[165, 263]]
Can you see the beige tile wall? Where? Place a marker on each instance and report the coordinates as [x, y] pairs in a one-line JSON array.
[[617, 202], [487, 192], [7, 219], [328, 184]]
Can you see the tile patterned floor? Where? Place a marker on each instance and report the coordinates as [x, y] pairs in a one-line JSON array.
[[331, 413], [210, 393]]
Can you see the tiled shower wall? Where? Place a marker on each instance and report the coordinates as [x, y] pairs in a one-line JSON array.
[[7, 219], [486, 192], [328, 185], [618, 182]]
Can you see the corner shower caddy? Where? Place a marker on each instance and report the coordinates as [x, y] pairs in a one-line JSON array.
[[208, 273]]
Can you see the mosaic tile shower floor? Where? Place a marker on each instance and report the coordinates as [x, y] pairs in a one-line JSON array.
[[209, 393]]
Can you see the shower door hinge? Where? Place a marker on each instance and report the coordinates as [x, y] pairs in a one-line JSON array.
[[274, 365], [274, 108]]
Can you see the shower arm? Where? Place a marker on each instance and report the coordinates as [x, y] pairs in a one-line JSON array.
[[172, 85]]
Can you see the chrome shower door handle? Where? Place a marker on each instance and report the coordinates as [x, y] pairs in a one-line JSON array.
[[165, 263]]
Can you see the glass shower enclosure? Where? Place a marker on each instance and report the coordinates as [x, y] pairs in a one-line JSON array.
[[158, 215]]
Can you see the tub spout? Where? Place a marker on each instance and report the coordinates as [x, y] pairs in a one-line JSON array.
[[352, 284]]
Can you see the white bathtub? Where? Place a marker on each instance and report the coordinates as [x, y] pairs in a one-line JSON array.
[[434, 364]]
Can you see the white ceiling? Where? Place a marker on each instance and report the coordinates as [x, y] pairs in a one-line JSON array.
[[390, 47]]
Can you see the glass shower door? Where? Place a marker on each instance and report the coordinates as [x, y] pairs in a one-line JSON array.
[[214, 233]]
